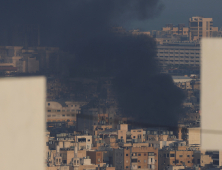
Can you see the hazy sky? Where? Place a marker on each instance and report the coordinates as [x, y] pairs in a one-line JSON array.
[[59, 19], [179, 11]]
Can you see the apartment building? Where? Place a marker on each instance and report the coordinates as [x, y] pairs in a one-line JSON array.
[[179, 54], [63, 111], [95, 156], [137, 135], [174, 157], [176, 30], [144, 158], [201, 27]]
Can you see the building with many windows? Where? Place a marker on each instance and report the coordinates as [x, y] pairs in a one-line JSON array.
[[179, 54], [60, 111], [127, 158], [201, 27]]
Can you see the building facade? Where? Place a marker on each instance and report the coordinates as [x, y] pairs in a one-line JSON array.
[[179, 54]]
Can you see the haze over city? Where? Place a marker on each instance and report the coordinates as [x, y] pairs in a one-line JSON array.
[[123, 79]]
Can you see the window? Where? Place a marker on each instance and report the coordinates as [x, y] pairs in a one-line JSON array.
[[49, 110], [63, 115], [53, 115], [151, 159], [188, 161], [68, 110], [63, 110], [188, 155], [71, 105], [139, 166], [139, 154], [68, 114], [133, 160], [181, 156], [139, 161], [126, 154], [73, 114], [48, 104], [152, 154], [144, 154], [127, 167], [73, 110], [98, 159], [58, 110], [49, 115]]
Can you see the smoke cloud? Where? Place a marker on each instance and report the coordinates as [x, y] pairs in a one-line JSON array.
[[83, 27], [142, 92]]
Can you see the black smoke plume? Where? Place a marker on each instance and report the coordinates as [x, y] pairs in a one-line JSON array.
[[84, 28]]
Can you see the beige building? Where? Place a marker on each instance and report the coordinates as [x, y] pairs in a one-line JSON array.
[[179, 30], [171, 167], [202, 159], [137, 135], [122, 130], [63, 111], [201, 27], [193, 136], [84, 142]]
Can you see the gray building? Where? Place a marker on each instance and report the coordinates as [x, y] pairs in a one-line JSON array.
[[179, 54], [118, 158]]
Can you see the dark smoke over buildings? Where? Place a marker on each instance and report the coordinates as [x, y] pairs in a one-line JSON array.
[[142, 92], [84, 28]]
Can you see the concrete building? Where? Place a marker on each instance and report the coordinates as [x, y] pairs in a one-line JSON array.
[[84, 142], [95, 156], [170, 157], [142, 157], [176, 30], [193, 136], [63, 111], [122, 130], [201, 27], [200, 158], [179, 54], [171, 167], [137, 135], [118, 158]]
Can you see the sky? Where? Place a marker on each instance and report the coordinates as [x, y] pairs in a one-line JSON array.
[[179, 11], [57, 17]]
